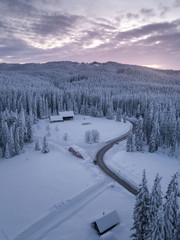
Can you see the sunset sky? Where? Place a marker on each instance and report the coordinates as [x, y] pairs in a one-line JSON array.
[[134, 32]]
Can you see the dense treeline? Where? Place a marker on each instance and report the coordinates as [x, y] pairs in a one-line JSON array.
[[156, 218], [39, 90]]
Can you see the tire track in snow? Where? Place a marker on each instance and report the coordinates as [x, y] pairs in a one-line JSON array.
[[61, 213]]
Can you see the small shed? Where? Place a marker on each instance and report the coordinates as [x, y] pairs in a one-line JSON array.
[[55, 119], [106, 222], [67, 115]]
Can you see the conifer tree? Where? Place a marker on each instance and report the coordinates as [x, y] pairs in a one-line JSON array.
[[155, 202], [170, 217], [37, 147], [100, 114], [82, 110], [141, 215], [29, 132], [109, 114], [148, 118], [11, 142], [119, 115], [138, 111], [124, 118], [16, 141], [173, 186], [45, 148], [7, 153], [35, 109], [139, 135], [46, 113], [22, 127], [88, 136], [155, 135], [157, 229], [130, 142], [40, 107], [95, 135], [152, 142], [171, 209], [173, 137], [5, 135]]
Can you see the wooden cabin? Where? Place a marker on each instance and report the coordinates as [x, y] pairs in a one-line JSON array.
[[106, 222], [67, 115], [55, 119]]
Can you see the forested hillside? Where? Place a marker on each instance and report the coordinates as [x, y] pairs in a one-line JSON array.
[[30, 92]]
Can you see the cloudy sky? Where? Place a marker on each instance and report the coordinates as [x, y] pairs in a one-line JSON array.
[[127, 31]]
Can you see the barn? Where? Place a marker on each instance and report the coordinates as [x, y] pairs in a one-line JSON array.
[[106, 222], [67, 115], [55, 119]]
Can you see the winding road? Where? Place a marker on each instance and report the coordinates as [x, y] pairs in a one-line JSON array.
[[109, 172]]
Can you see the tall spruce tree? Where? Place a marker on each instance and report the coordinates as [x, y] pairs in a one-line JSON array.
[[170, 217], [7, 152], [119, 115], [16, 141], [29, 132], [157, 229], [171, 209], [130, 142], [155, 197], [155, 204], [37, 147], [5, 135], [141, 214], [109, 114], [45, 147], [11, 142], [22, 127], [154, 141], [139, 135]]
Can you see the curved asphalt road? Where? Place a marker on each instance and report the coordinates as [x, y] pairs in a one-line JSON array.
[[102, 165]]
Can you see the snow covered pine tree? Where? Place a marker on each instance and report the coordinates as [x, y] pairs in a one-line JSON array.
[[171, 209], [141, 214], [130, 142], [45, 148]]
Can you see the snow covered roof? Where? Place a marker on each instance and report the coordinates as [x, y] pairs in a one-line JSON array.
[[107, 236], [56, 118], [61, 116], [66, 114], [107, 221]]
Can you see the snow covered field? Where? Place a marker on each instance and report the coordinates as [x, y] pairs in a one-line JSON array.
[[58, 196], [75, 130], [33, 183], [79, 226]]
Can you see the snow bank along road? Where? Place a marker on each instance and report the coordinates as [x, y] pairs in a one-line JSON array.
[[102, 165]]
